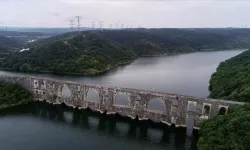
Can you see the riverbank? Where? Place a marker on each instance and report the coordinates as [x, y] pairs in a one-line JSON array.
[[70, 73], [162, 74], [230, 81], [94, 72], [5, 106]]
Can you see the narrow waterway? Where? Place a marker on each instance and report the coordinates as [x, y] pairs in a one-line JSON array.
[[43, 126]]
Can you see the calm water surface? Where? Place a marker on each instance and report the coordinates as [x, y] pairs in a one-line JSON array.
[[186, 74], [40, 126]]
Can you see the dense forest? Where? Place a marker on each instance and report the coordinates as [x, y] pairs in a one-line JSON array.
[[81, 54], [10, 43], [232, 79], [92, 52], [229, 132], [12, 94], [4, 52]]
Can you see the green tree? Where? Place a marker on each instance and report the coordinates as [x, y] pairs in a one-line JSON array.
[[229, 132], [11, 94]]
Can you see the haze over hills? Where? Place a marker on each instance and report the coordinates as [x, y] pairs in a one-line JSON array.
[[15, 41], [44, 30], [92, 52]]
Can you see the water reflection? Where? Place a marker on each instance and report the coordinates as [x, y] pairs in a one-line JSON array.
[[186, 74], [140, 133]]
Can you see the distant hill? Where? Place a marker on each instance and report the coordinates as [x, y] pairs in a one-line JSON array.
[[92, 52], [15, 33], [81, 54], [41, 29], [176, 39], [10, 43], [4, 52]]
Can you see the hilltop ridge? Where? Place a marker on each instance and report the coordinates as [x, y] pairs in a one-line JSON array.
[[93, 52]]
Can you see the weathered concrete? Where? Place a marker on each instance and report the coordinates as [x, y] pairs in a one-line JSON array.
[[176, 106]]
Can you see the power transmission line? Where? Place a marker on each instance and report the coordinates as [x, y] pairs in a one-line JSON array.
[[72, 25], [78, 22], [117, 25], [101, 24]]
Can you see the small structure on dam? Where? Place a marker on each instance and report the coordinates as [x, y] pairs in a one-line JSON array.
[[176, 108]]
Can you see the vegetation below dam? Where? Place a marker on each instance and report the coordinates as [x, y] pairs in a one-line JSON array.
[[229, 132], [231, 81], [12, 94], [93, 52]]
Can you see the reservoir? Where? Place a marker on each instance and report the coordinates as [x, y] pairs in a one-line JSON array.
[[42, 126]]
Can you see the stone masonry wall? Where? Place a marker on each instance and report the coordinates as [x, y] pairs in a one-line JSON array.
[[177, 107]]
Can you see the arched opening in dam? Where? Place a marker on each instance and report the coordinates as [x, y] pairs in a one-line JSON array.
[[206, 110], [92, 95], [156, 104], [222, 111], [122, 99], [66, 92]]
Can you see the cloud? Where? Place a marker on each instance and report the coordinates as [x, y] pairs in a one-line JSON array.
[[147, 13]]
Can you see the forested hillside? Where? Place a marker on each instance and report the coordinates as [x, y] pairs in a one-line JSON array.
[[3, 50], [82, 54], [232, 131], [229, 132], [232, 79], [9, 43], [183, 40], [92, 52]]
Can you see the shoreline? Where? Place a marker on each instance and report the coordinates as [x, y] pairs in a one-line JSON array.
[[68, 73], [6, 106], [115, 66]]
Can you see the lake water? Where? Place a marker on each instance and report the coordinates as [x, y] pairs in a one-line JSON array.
[[46, 127]]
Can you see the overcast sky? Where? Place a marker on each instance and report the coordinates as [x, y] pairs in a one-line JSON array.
[[146, 13]]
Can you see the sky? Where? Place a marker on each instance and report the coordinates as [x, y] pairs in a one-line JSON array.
[[144, 13]]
